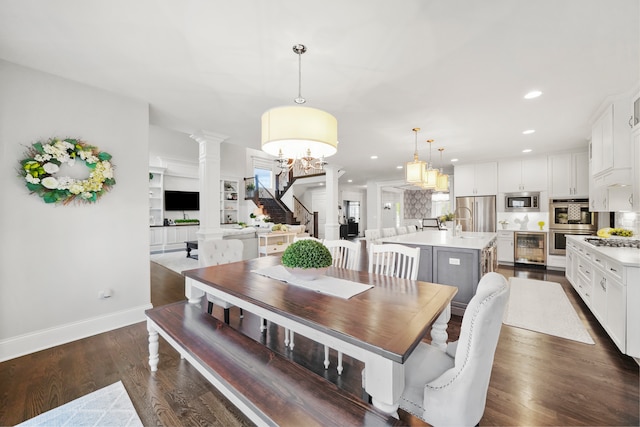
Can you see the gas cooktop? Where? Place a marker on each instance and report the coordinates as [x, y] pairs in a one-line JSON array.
[[614, 243]]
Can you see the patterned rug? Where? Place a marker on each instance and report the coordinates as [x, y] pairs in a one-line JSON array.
[[109, 406], [543, 307]]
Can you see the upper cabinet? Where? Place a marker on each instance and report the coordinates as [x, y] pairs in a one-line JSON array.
[[569, 175], [522, 175], [635, 198], [612, 161], [611, 138], [476, 180]]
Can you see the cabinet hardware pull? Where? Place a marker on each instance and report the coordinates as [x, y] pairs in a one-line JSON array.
[[631, 122], [613, 269]]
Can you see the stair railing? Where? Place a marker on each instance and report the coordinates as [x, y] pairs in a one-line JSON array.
[[305, 217]]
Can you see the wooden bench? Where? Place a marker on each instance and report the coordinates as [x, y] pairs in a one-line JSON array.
[[267, 387]]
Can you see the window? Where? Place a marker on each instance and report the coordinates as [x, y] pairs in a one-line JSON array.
[[263, 169]]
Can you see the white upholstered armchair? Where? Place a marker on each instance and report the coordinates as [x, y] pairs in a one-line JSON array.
[[450, 388], [215, 252]]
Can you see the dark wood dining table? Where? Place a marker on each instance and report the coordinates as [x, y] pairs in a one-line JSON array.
[[380, 326]]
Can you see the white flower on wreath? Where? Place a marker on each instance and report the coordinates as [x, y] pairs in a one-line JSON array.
[[50, 182], [50, 167], [32, 179]]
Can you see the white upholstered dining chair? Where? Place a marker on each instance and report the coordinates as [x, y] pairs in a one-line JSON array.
[[344, 254], [449, 388], [394, 260], [216, 252]]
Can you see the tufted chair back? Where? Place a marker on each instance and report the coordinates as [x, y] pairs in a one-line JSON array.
[[216, 252], [450, 388]]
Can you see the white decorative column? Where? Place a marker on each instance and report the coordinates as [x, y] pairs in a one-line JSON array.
[[209, 177], [332, 226]]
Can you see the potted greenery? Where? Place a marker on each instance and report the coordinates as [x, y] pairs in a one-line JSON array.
[[307, 259], [447, 220]]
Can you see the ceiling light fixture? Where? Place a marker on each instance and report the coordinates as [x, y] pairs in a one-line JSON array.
[[430, 177], [442, 182], [528, 131], [296, 132], [415, 169], [533, 94], [527, 150]]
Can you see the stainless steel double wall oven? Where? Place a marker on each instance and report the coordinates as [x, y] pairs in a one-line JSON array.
[[569, 216]]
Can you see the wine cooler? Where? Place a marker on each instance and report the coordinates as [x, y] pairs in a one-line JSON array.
[[530, 247]]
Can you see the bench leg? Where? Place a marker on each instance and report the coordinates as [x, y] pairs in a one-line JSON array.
[[210, 307], [286, 338], [226, 316], [291, 336], [326, 357], [241, 314], [153, 348], [340, 363], [263, 324]]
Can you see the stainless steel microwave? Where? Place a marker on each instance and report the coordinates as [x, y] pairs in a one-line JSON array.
[[522, 202]]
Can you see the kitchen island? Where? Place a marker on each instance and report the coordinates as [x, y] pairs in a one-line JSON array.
[[448, 260]]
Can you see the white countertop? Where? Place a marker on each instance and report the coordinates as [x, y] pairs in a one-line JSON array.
[[629, 257], [469, 240]]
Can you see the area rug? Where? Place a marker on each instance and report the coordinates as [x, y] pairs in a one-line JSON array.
[[109, 406], [176, 261], [543, 307]]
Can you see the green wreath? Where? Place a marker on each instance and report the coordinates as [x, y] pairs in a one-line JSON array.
[[43, 160]]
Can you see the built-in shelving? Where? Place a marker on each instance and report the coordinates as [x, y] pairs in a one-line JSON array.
[[156, 196], [228, 201]]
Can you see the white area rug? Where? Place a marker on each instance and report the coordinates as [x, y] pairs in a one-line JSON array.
[[109, 406], [541, 306], [176, 261]]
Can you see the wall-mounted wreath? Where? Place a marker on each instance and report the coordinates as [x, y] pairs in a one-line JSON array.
[[43, 161]]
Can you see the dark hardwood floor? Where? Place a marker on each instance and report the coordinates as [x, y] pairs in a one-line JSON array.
[[536, 379]]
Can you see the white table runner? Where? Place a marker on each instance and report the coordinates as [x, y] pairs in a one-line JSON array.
[[325, 285]]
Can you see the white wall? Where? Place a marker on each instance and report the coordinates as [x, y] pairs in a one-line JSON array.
[[55, 259]]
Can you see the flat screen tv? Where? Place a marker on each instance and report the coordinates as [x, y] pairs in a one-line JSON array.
[[181, 200]]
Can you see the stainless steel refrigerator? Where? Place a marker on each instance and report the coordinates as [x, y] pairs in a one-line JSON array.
[[476, 213]]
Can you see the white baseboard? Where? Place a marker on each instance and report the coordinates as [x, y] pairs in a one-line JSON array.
[[46, 338]]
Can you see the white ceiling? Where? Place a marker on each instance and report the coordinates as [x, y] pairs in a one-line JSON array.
[[458, 69]]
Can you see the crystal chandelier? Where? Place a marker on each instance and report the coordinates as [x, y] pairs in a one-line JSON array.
[[299, 133]]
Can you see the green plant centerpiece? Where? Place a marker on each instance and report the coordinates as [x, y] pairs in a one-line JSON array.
[[307, 259]]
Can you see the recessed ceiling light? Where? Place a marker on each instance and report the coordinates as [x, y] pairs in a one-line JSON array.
[[374, 157], [399, 167], [533, 94], [527, 150], [454, 160], [349, 180], [528, 131]]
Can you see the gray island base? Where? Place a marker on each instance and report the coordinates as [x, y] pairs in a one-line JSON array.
[[448, 260]]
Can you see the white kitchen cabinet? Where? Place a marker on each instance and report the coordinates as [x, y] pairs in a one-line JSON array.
[[176, 235], [156, 238], [569, 175], [522, 175], [505, 247], [476, 180], [635, 198], [608, 288], [611, 138]]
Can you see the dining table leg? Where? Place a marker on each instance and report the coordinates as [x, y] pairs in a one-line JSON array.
[[439, 334], [384, 382]]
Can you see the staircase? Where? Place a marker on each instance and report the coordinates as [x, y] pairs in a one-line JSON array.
[[276, 209]]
